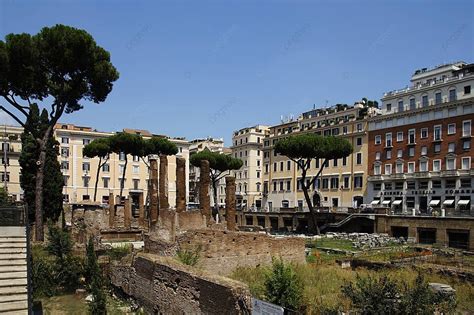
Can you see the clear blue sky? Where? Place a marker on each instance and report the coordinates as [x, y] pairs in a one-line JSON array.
[[206, 68]]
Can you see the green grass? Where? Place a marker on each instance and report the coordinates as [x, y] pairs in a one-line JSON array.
[[117, 253], [323, 281]]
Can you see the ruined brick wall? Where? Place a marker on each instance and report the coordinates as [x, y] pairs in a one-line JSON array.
[[161, 285], [86, 223], [223, 251]]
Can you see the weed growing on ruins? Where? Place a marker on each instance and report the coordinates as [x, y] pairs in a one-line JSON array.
[[95, 280], [117, 253], [189, 257], [283, 286]]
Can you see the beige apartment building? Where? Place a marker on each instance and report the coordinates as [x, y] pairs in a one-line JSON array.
[[10, 167], [80, 172], [247, 145], [342, 183]]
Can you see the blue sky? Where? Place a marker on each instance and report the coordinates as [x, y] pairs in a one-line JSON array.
[[207, 68]]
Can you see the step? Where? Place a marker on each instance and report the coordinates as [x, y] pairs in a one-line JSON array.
[[12, 250], [12, 282], [23, 312], [12, 262], [12, 231], [13, 245], [13, 275], [12, 240], [13, 297], [5, 256], [10, 268], [15, 306], [21, 289]]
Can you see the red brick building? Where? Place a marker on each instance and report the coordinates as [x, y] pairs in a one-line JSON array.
[[420, 147]]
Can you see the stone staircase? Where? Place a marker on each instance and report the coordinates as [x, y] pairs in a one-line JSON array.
[[13, 270]]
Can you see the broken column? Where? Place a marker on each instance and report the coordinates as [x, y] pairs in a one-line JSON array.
[[154, 207], [204, 182], [164, 182], [127, 213], [141, 211], [111, 210], [230, 202], [180, 184]]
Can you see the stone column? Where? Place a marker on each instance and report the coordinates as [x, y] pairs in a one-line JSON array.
[[204, 182], [154, 206], [180, 184], [230, 202], [164, 182], [111, 211], [127, 213], [141, 210]]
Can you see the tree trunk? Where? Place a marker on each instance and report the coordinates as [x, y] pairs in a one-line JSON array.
[[97, 178], [122, 181], [39, 230], [308, 201], [214, 193]]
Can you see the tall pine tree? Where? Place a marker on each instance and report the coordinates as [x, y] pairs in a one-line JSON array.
[[53, 186]]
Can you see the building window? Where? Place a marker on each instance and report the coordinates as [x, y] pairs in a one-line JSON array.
[[436, 165], [466, 163], [399, 168], [346, 182], [437, 148], [436, 184], [466, 183], [106, 168], [136, 169], [357, 181], [466, 145], [400, 106], [334, 182], [388, 154], [467, 89], [335, 162], [377, 169], [450, 164], [451, 147], [64, 140], [288, 165], [410, 185], [377, 156], [423, 185], [388, 139], [424, 101], [274, 186], [359, 141], [412, 103], [411, 167], [398, 185], [65, 180], [64, 165], [424, 150], [437, 133], [122, 156], [136, 183], [411, 136], [424, 133], [274, 167], [288, 185], [65, 152], [438, 98], [105, 182], [359, 158], [450, 184], [377, 186], [5, 177], [400, 136], [266, 168], [423, 166], [388, 169], [411, 152], [85, 180], [378, 139], [86, 167], [466, 128], [344, 161], [389, 107], [281, 166], [325, 183], [399, 153], [452, 95], [86, 141], [258, 174], [359, 127], [451, 129]]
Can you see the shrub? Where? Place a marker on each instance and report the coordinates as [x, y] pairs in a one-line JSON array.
[[94, 276], [60, 243], [117, 253], [189, 257], [283, 286], [42, 273]]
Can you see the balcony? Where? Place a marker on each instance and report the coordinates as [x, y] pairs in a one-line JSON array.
[[449, 173], [425, 174], [398, 176]]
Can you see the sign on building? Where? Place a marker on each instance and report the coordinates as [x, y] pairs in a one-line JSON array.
[[260, 307]]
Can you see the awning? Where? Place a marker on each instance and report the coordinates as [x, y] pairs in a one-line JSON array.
[[448, 202], [434, 202], [375, 202], [464, 202], [396, 202], [386, 202]]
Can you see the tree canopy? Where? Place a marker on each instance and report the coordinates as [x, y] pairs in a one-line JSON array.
[[159, 145], [99, 147], [312, 146], [217, 162], [127, 143]]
